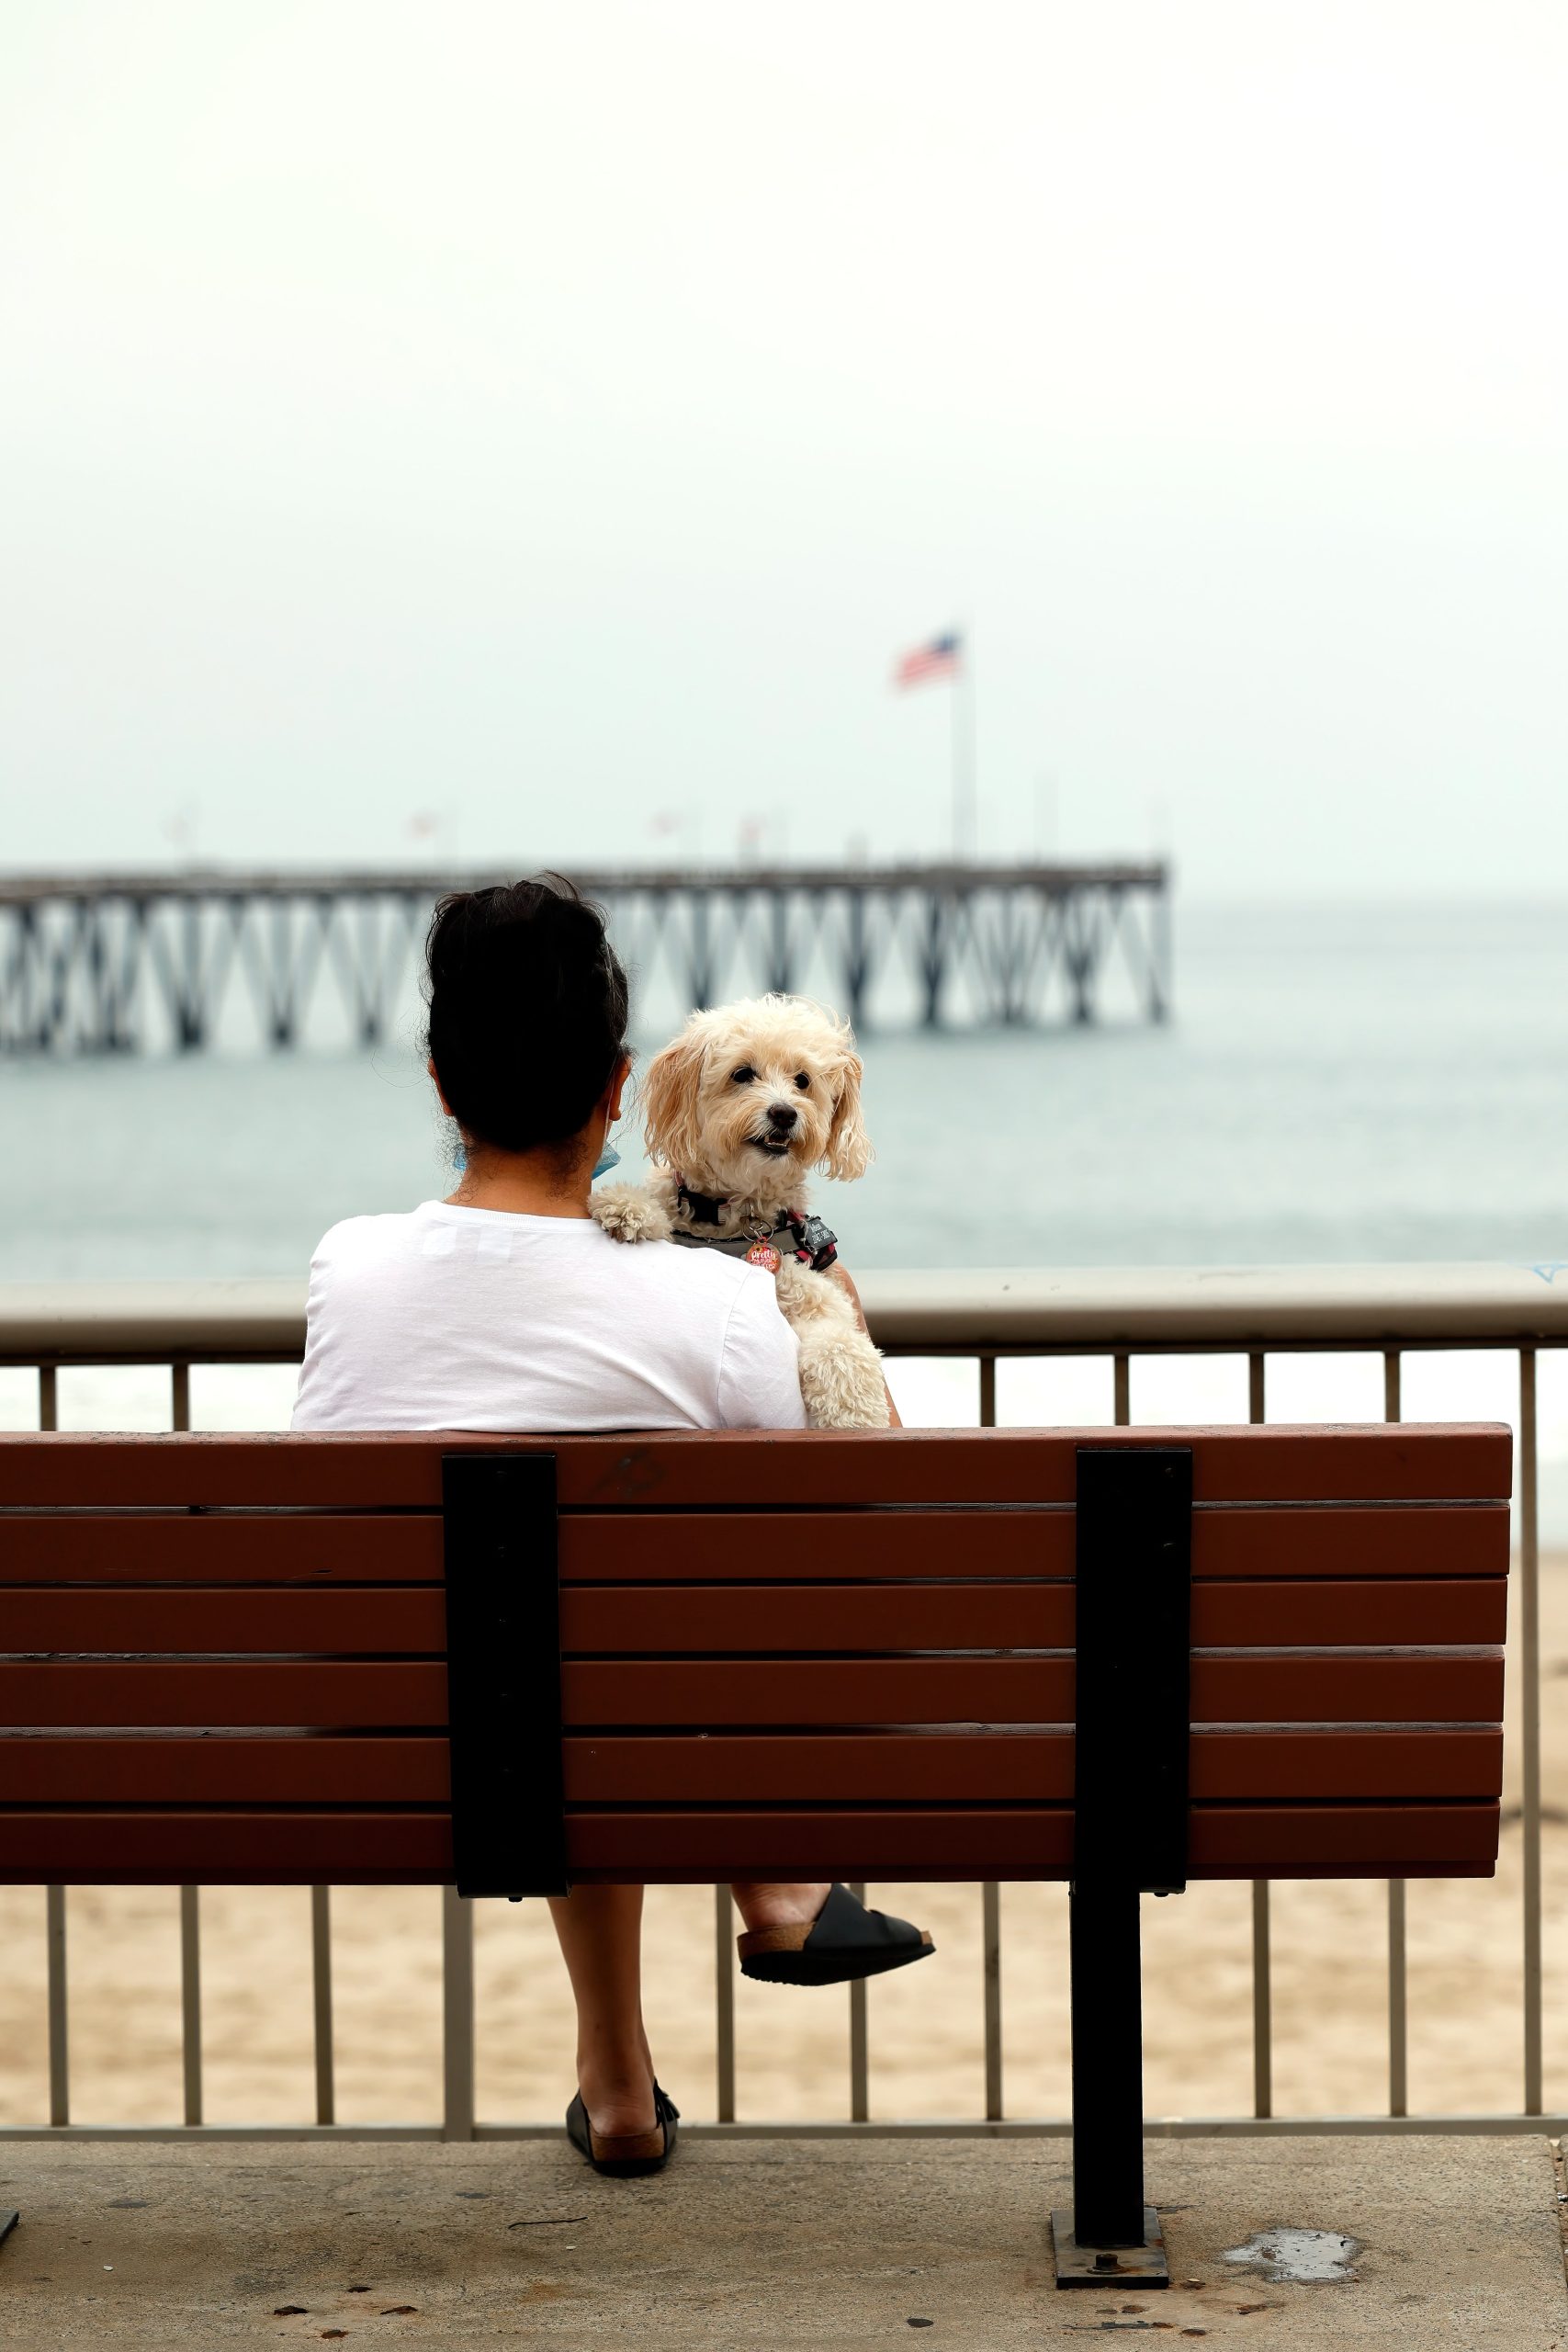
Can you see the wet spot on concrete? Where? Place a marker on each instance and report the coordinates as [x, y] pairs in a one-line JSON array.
[[1299, 2257]]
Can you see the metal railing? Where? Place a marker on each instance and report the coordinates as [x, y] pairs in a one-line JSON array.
[[1388, 1312]]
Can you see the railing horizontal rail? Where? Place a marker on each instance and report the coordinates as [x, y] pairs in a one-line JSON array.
[[1027, 1310]]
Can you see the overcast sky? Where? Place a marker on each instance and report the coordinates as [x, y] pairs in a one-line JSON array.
[[547, 423]]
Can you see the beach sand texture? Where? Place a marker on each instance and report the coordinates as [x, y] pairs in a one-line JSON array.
[[925, 2026]]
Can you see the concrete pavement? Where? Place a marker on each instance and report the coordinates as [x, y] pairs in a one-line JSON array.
[[747, 2245]]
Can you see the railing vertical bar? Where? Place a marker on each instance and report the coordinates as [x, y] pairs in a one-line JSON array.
[[724, 1999], [1398, 2002], [1398, 1937], [1122, 1388], [1262, 1948], [456, 2015], [860, 2068], [59, 2044], [1262, 2003], [179, 1396], [190, 1999], [987, 1391], [47, 1396], [991, 1935], [1392, 1389], [1529, 1715], [321, 1989]]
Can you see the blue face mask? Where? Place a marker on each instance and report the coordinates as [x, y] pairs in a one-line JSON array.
[[609, 1158]]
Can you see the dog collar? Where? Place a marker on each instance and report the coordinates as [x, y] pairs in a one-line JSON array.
[[705, 1207], [807, 1239]]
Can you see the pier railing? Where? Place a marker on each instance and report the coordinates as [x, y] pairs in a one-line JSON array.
[[991, 1321], [112, 963]]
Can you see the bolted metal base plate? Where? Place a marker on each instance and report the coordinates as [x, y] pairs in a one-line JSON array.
[[1108, 2266]]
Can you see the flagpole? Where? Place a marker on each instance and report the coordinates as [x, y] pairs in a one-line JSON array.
[[963, 844]]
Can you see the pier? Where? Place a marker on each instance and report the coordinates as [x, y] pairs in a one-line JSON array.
[[117, 963]]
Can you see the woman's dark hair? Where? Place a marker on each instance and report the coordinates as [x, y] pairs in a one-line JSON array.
[[527, 1011]]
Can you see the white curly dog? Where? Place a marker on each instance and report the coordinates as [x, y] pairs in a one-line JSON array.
[[738, 1108]]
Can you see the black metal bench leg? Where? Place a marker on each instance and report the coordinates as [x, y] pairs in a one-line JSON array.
[[1132, 1710], [1109, 2234]]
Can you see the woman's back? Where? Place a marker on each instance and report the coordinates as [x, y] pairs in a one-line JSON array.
[[471, 1319]]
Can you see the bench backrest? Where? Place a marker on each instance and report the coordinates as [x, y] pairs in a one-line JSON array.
[[845, 1656]]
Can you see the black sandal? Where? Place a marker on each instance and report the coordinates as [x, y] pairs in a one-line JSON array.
[[621, 2156], [844, 1941]]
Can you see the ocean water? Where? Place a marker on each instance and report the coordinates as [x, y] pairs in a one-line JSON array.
[[1337, 1084]]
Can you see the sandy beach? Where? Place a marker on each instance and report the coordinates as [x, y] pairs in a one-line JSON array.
[[1330, 1995]]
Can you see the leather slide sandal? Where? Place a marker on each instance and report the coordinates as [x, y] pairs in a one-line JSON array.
[[622, 2156], [844, 1941]]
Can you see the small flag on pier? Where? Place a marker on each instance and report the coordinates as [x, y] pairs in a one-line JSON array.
[[938, 658]]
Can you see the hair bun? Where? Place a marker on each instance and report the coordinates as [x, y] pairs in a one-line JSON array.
[[528, 1006]]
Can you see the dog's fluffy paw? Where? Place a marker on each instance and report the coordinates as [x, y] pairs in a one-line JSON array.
[[842, 1388], [627, 1213], [840, 1381]]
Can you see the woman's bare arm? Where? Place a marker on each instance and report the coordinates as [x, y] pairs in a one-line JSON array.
[[839, 1273]]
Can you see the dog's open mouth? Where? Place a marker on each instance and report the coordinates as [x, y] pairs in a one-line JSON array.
[[776, 1147]]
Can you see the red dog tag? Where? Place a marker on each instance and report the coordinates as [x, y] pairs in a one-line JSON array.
[[762, 1253]]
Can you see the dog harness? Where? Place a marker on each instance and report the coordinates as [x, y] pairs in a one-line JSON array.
[[805, 1238]]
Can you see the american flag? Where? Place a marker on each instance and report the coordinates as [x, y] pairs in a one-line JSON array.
[[938, 658]]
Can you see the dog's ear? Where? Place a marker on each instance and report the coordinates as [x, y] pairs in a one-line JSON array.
[[670, 1101], [849, 1152]]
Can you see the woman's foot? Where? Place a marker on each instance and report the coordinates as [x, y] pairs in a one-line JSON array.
[[624, 2153], [616, 2090], [839, 1943], [766, 1903]]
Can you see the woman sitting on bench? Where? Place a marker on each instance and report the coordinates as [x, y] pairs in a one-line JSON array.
[[504, 1308]]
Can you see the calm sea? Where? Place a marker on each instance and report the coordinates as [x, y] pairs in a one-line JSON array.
[[1337, 1083]]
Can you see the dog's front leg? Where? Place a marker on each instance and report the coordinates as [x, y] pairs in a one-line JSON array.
[[841, 1381], [630, 1213]]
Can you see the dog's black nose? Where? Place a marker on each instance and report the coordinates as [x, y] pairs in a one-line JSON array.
[[781, 1117]]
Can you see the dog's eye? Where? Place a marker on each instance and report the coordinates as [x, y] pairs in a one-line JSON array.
[[801, 1081], [744, 1076]]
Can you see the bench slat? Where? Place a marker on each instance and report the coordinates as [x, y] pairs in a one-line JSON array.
[[335, 1769], [750, 1470], [1426, 1542], [397, 1848], [1324, 1688], [368, 1618], [1298, 1689], [1277, 1841], [353, 1694], [64, 1548], [1021, 1766], [652, 1620]]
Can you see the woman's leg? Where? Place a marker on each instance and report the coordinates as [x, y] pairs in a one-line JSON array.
[[600, 1932], [767, 1903]]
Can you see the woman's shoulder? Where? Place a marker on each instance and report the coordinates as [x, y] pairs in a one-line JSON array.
[[705, 1284], [355, 1238]]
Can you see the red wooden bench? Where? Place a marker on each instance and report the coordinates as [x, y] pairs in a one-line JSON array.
[[517, 1664]]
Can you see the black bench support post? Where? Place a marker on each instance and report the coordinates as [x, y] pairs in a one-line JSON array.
[[504, 1673], [1132, 1730]]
